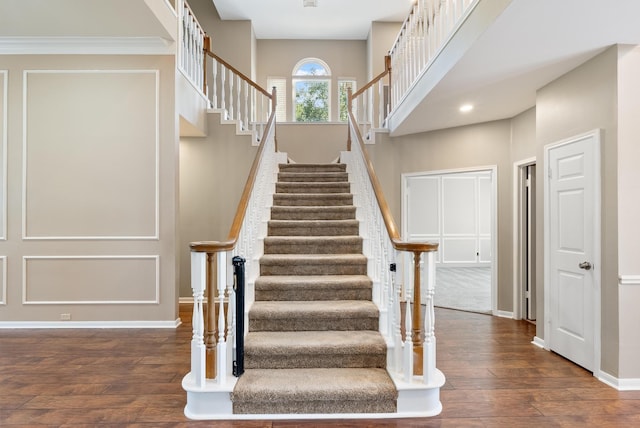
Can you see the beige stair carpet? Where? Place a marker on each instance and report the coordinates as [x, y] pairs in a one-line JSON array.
[[313, 344]]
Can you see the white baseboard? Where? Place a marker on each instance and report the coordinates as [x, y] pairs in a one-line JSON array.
[[186, 300], [89, 324], [538, 342], [620, 384], [503, 314]]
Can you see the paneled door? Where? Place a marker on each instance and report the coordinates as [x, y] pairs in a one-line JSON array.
[[573, 238]]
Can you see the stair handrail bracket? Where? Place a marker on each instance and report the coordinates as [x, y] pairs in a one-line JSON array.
[[211, 380], [411, 340]]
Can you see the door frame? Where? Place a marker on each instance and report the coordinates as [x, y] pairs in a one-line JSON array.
[[597, 231], [518, 294], [493, 169]]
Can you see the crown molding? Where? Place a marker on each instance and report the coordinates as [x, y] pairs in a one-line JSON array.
[[86, 46]]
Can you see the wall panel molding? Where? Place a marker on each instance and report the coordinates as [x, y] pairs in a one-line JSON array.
[[4, 133], [3, 278], [103, 182], [98, 280]]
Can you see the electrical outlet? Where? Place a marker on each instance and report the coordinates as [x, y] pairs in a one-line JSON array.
[[65, 317]]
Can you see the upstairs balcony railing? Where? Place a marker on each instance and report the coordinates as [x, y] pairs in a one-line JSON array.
[[228, 90], [424, 33]]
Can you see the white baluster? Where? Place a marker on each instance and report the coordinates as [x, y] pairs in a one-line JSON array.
[[231, 329], [246, 105], [221, 349], [214, 72], [231, 79], [223, 90], [429, 367], [198, 349], [408, 343]]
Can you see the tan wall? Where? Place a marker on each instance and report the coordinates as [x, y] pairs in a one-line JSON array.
[[346, 58], [471, 146], [312, 142], [92, 204], [233, 41], [213, 172], [580, 101], [629, 208], [523, 135], [380, 41]]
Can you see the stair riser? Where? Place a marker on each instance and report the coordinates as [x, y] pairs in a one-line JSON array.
[[313, 229], [373, 359], [313, 269], [296, 200], [306, 323], [313, 188], [321, 213], [320, 168], [314, 407], [307, 294]]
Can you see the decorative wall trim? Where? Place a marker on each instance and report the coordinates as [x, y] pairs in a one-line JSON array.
[[156, 234], [153, 301], [86, 46], [629, 280], [90, 324], [3, 142], [3, 278], [628, 384]]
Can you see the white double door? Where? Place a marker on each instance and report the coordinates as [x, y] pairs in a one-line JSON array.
[[573, 205]]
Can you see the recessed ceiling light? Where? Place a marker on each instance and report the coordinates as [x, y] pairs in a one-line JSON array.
[[466, 108], [310, 3]]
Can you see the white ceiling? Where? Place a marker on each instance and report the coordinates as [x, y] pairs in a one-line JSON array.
[[331, 19]]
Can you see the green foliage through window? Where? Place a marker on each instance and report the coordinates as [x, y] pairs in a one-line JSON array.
[[312, 101]]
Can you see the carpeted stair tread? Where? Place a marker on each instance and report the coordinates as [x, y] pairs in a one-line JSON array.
[[313, 244], [347, 212], [320, 390], [313, 227], [284, 177], [313, 187], [299, 349], [312, 199], [316, 315], [313, 287], [313, 264]]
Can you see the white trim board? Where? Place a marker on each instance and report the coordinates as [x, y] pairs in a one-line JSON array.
[[625, 384], [89, 324], [86, 46], [629, 280], [3, 278]]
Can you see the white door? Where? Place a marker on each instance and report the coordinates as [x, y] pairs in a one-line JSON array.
[[573, 203]]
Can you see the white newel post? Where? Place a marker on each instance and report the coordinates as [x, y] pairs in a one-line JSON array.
[[198, 349]]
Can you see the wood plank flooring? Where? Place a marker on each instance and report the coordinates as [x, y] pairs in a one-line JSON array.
[[113, 378]]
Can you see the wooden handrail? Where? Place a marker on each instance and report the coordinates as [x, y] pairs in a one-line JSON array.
[[387, 66], [234, 232], [235, 71]]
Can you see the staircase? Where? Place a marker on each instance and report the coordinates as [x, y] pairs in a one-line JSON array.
[[313, 344]]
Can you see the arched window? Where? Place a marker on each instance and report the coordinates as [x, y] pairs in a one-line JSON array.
[[311, 81]]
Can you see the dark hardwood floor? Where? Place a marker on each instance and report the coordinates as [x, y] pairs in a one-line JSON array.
[[102, 378]]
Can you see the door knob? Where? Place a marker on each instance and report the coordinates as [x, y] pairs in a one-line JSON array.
[[585, 265]]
